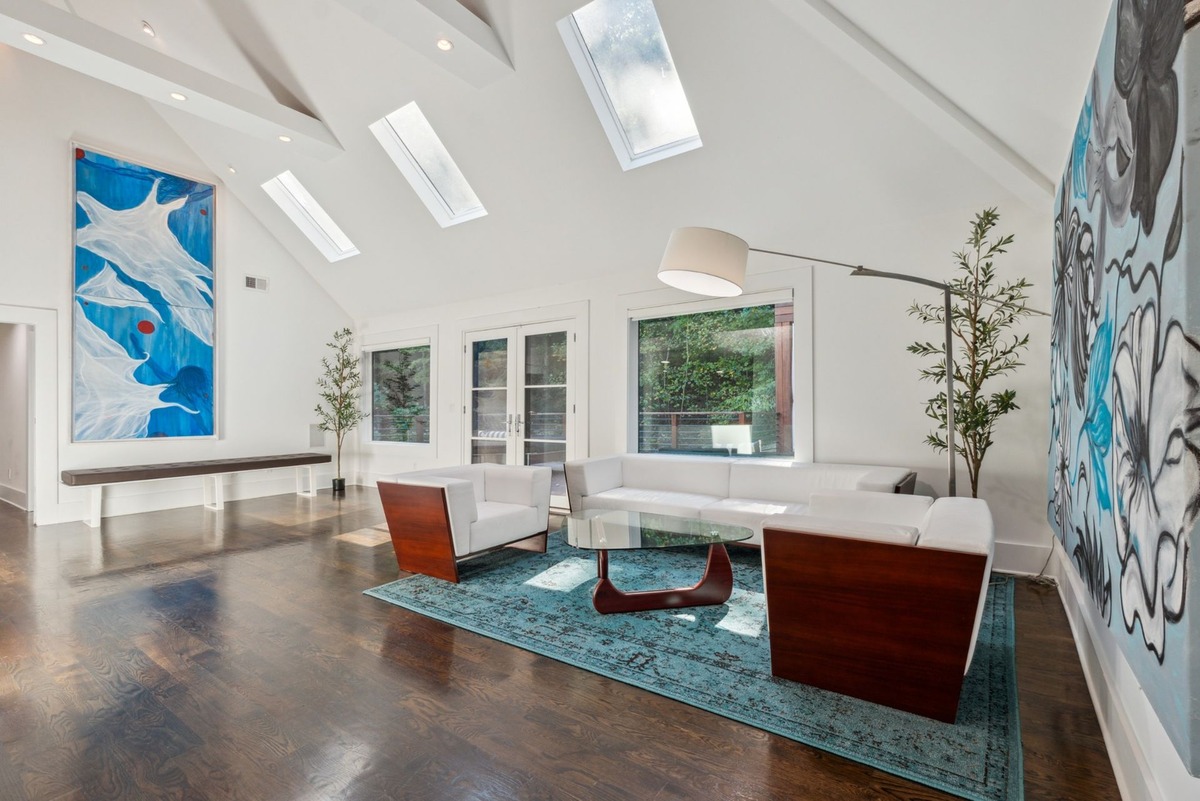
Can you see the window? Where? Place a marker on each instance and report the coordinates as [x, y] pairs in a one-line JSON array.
[[621, 54], [426, 164], [400, 395], [716, 382], [312, 220]]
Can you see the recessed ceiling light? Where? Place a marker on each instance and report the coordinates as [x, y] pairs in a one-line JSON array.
[[33, 38], [178, 96], [445, 45], [284, 138], [147, 28]]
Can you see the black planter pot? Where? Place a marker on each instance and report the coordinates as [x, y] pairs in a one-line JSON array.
[[339, 486]]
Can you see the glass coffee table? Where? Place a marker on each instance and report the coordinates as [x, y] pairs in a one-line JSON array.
[[604, 531]]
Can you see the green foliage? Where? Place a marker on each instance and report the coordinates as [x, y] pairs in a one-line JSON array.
[[713, 361], [983, 311], [400, 387], [697, 370], [340, 385]]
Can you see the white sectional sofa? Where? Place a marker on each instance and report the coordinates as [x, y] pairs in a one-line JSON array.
[[743, 492], [879, 596]]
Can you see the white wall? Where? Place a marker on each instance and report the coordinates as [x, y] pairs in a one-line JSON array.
[[270, 343], [869, 405], [854, 379], [14, 414]]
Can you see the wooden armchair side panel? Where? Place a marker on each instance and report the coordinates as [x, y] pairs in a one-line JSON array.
[[419, 522], [886, 623]]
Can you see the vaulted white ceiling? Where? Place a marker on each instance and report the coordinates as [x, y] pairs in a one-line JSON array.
[[819, 118]]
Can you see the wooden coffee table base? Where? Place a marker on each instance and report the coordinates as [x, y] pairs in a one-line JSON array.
[[714, 588]]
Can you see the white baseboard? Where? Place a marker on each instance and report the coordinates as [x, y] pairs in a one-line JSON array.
[[1022, 558], [175, 493], [14, 496], [1146, 765]]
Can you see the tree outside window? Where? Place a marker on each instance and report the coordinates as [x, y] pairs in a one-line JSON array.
[[716, 382], [400, 395]]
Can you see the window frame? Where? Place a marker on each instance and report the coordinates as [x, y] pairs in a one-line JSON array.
[[316, 224], [408, 165], [593, 84], [368, 370], [800, 447]]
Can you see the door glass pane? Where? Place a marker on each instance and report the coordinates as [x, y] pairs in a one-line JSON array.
[[552, 455], [545, 452], [546, 413], [490, 363], [488, 407], [546, 359], [486, 452]]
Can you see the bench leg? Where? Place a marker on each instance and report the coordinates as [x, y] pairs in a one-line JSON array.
[[95, 506], [214, 492], [311, 492]]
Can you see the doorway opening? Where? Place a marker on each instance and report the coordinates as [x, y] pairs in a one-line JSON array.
[[16, 415]]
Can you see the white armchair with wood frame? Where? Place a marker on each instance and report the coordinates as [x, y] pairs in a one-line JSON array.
[[440, 517]]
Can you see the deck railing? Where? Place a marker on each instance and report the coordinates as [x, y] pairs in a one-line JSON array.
[[693, 431]]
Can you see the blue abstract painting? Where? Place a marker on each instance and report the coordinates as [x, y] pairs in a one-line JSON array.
[[143, 302], [1124, 466]]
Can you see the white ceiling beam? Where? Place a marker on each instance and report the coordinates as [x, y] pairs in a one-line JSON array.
[[478, 56], [905, 86], [92, 50]]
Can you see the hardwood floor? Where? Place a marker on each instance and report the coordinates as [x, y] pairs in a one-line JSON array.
[[198, 655]]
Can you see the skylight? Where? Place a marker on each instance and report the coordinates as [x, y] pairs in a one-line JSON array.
[[424, 161], [619, 49], [309, 217]]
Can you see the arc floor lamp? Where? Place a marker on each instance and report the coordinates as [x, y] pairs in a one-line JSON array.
[[711, 262]]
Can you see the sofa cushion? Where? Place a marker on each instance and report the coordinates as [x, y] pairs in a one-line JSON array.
[[508, 483], [749, 513], [468, 472], [959, 524], [680, 504], [795, 482], [687, 474], [589, 477], [882, 479], [501, 523], [872, 507]]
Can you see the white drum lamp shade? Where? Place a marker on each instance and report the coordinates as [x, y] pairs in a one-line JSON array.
[[705, 261]]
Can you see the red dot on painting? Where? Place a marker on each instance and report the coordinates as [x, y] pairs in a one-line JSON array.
[[78, 153], [204, 212], [146, 327]]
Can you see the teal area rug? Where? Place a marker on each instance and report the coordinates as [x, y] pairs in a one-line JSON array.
[[718, 658]]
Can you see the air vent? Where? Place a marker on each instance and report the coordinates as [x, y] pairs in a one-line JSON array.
[[256, 282]]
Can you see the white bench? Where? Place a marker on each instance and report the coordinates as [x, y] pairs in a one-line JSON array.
[[213, 472]]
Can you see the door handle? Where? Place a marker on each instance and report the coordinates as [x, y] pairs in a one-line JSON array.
[[508, 429], [518, 431]]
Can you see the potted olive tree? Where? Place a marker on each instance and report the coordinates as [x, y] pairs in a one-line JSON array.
[[340, 385], [985, 311]]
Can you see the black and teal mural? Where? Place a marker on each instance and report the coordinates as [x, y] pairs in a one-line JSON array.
[[1124, 479]]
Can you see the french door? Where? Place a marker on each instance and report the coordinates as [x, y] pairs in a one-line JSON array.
[[520, 407]]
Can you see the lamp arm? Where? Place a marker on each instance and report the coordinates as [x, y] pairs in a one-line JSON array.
[[947, 290], [912, 279], [808, 258], [858, 269]]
